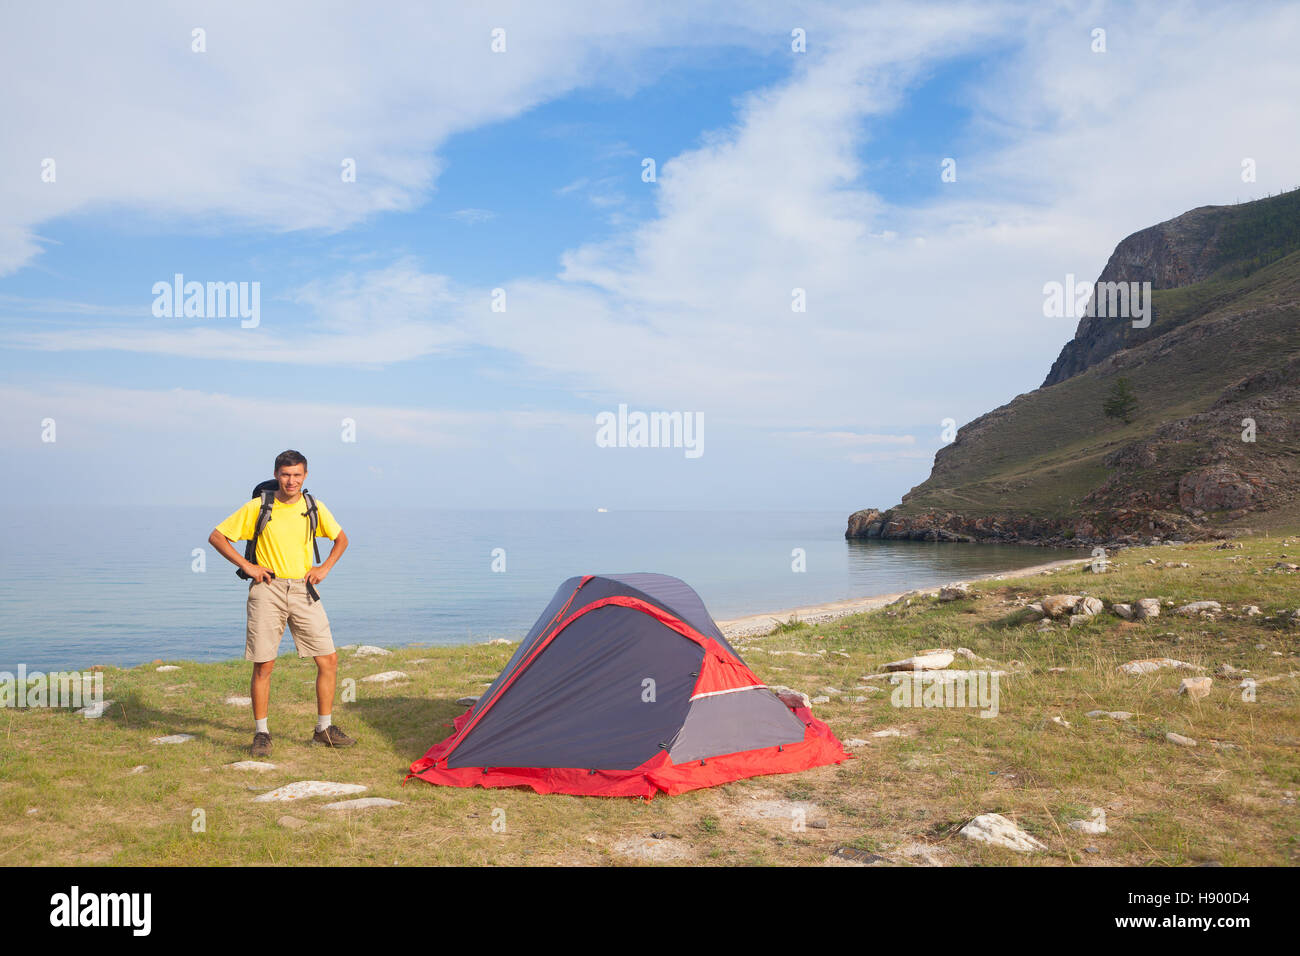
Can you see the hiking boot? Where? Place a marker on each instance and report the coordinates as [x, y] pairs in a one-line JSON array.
[[333, 737], [261, 744]]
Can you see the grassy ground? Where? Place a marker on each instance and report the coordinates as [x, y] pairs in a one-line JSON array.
[[67, 794]]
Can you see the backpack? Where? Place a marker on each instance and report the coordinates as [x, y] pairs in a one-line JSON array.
[[266, 491]]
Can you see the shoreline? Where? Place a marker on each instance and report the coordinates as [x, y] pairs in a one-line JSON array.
[[760, 625]]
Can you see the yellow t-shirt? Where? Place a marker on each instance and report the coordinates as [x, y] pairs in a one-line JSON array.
[[284, 545]]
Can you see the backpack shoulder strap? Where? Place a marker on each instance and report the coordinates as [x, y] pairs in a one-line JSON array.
[[263, 516], [313, 519]]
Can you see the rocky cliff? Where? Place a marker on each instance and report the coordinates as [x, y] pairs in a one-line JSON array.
[[1216, 437]]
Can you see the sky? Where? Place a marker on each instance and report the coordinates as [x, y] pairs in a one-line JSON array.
[[461, 260]]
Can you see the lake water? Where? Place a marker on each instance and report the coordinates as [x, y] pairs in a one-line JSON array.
[[117, 585]]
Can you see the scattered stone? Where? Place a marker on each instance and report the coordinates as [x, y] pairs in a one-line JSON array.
[[1091, 849], [1033, 611], [239, 701], [954, 592], [888, 732], [841, 654], [1150, 664], [967, 653], [95, 711], [822, 699], [852, 856], [1090, 606], [1286, 566], [928, 660], [1060, 721], [137, 769], [362, 803], [1227, 670], [1079, 619], [166, 668], [1112, 714], [309, 788], [1251, 610], [172, 739], [498, 640], [1058, 605], [819, 824], [292, 823], [832, 691], [995, 829], [384, 678], [260, 766], [1180, 740], [1223, 745], [1123, 610], [1096, 825], [855, 742], [1199, 607], [1145, 608], [369, 650], [1196, 687]]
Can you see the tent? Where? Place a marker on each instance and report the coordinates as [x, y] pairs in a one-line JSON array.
[[625, 687]]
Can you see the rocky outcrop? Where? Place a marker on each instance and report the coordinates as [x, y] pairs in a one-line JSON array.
[[1087, 530]]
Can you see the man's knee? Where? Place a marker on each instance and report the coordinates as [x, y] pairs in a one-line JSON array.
[[262, 671], [328, 663]]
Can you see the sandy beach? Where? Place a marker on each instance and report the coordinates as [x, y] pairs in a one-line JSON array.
[[756, 625]]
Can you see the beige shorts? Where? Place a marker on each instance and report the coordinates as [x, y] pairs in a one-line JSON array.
[[282, 601]]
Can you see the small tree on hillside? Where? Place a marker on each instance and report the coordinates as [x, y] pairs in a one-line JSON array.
[[1121, 402]]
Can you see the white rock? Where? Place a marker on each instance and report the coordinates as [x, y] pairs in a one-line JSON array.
[[954, 592], [239, 701], [943, 677], [363, 803], [1112, 714], [888, 732], [1060, 721], [832, 691], [95, 711], [1251, 610], [369, 650], [139, 769], [1180, 740], [172, 739], [995, 829], [1096, 825], [1154, 664], [259, 766], [855, 742], [822, 699], [497, 640], [1033, 611], [1145, 608], [1199, 607], [1196, 687], [1123, 610], [466, 701], [927, 660], [384, 678], [1090, 606], [309, 788], [166, 668]]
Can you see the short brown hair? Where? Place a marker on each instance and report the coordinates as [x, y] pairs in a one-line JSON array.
[[287, 459]]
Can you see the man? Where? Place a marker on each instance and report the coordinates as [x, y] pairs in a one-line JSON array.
[[282, 590]]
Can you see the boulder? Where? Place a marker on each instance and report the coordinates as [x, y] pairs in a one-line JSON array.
[[1196, 687], [369, 650], [1096, 825], [1146, 608], [1199, 607], [1112, 714], [309, 788], [1123, 610], [1058, 605], [791, 697], [954, 592], [1150, 664], [995, 829], [1180, 740], [1090, 606]]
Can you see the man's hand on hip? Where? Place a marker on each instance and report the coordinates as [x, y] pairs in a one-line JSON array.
[[316, 575], [259, 574]]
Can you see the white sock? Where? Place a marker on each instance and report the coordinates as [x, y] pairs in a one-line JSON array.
[[261, 726], [322, 722]]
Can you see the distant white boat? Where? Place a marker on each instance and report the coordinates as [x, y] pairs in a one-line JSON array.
[[602, 510]]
